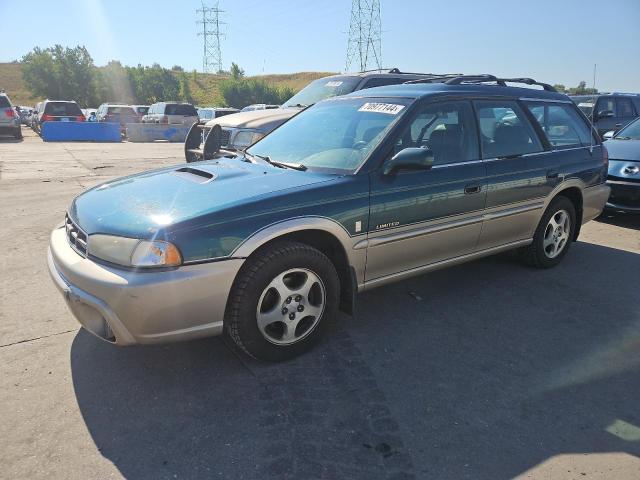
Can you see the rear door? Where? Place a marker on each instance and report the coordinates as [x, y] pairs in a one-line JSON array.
[[423, 217], [518, 177]]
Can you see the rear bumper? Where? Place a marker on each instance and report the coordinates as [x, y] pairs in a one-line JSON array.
[[129, 307], [625, 196], [593, 201]]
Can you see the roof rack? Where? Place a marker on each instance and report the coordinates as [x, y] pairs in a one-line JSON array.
[[398, 71], [461, 79]]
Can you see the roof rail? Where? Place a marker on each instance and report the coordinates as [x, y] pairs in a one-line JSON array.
[[454, 79], [398, 71]]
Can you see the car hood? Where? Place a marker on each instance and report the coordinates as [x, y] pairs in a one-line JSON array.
[[623, 149], [256, 120], [139, 206]]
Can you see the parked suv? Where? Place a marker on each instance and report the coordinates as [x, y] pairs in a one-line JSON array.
[[57, 111], [117, 113], [245, 128], [352, 193], [612, 110], [172, 113], [9, 119]]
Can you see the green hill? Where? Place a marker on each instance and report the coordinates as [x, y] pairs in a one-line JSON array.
[[204, 86]]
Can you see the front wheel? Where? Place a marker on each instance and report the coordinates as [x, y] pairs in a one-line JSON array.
[[553, 236], [282, 300]]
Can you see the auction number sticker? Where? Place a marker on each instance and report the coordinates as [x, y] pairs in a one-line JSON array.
[[333, 84], [390, 108]]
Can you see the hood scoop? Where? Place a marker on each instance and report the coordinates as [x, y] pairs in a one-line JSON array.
[[194, 175]]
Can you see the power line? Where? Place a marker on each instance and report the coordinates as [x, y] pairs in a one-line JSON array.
[[365, 35], [212, 53]]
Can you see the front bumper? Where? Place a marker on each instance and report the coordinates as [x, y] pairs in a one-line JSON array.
[[129, 307], [625, 196]]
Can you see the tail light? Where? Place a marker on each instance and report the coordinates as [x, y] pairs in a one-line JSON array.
[[10, 113], [164, 119], [605, 156], [47, 118], [80, 118]]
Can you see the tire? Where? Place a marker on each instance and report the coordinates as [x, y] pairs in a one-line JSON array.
[[550, 242], [263, 312], [18, 134]]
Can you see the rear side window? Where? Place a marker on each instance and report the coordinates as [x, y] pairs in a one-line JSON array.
[[62, 108], [625, 107], [505, 130], [563, 126], [180, 109], [4, 102]]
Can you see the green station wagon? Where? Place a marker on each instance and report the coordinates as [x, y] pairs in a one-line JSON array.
[[351, 194]]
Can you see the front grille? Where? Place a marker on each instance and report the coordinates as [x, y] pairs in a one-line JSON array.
[[224, 138], [77, 238]]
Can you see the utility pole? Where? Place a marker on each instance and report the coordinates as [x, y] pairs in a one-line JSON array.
[[209, 18], [365, 35]]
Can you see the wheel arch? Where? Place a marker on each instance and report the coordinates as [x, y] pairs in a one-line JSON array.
[[324, 234], [574, 194]]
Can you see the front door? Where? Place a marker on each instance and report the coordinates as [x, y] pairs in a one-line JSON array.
[[423, 217]]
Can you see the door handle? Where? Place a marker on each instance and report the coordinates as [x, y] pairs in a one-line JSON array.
[[552, 175], [470, 189]]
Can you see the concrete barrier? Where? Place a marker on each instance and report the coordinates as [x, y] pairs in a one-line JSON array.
[[80, 132], [148, 132]]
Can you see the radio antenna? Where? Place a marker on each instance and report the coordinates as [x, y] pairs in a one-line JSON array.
[[593, 108]]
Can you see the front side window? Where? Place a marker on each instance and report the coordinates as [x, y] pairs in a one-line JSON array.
[[505, 130], [562, 124], [333, 135], [606, 106], [445, 128]]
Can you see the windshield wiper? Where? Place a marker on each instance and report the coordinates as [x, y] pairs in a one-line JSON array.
[[622, 138], [266, 158], [298, 105]]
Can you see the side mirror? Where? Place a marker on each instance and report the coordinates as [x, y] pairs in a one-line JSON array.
[[608, 135], [605, 114], [409, 159]]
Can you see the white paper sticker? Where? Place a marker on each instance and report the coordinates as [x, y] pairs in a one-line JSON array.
[[333, 84], [390, 108]]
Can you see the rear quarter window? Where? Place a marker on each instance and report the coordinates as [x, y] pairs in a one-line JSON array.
[[563, 126]]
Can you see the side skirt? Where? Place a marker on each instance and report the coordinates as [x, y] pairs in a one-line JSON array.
[[378, 282]]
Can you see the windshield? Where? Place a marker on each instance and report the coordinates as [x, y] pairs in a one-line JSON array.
[[323, 88], [630, 132], [334, 135]]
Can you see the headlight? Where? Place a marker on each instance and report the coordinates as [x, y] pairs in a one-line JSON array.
[[246, 138], [131, 252]]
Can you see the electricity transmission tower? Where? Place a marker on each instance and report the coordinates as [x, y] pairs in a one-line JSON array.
[[365, 35], [210, 21]]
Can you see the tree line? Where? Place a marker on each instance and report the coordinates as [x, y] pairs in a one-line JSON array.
[[70, 74]]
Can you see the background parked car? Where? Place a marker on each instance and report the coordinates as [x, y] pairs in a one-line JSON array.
[[624, 168], [141, 110], [259, 106], [171, 113], [9, 119], [117, 113], [90, 114], [57, 111], [209, 113], [612, 110], [25, 113]]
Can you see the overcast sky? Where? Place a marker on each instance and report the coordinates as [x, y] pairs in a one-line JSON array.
[[550, 40]]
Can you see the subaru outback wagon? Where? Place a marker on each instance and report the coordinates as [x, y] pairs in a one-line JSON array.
[[351, 194]]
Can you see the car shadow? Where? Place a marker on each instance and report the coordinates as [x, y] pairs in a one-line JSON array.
[[484, 370], [4, 139], [620, 219]]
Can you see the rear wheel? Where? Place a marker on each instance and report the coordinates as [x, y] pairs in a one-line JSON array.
[[18, 133], [281, 301], [553, 236]]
